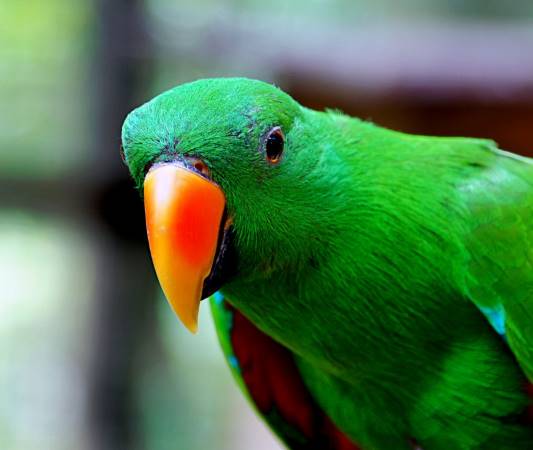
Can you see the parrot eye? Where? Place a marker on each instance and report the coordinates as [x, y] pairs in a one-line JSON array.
[[274, 143]]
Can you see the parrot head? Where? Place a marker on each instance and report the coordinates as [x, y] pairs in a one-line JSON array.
[[227, 170]]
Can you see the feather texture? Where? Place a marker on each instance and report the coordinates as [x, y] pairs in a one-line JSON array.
[[396, 270]]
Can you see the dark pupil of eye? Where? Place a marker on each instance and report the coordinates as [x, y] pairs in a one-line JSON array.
[[274, 146]]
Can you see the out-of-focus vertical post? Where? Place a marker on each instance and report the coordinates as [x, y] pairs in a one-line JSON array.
[[124, 287]]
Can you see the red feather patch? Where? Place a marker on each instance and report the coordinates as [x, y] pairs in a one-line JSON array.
[[273, 380]]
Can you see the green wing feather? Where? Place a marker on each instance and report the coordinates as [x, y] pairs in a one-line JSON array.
[[269, 378], [500, 244]]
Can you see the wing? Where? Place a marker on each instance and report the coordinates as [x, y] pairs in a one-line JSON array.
[[500, 246], [269, 378]]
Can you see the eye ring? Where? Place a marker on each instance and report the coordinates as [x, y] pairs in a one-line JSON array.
[[274, 144]]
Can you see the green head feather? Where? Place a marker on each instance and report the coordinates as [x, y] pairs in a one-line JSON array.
[[277, 208]]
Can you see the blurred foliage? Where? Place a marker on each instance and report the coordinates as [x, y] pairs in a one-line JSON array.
[[43, 328], [44, 64]]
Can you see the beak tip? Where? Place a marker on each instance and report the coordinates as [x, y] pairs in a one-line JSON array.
[[189, 319], [192, 327]]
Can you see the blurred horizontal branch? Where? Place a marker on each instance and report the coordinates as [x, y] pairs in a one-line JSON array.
[[424, 62], [427, 60]]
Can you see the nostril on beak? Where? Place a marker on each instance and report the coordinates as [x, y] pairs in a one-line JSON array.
[[199, 166]]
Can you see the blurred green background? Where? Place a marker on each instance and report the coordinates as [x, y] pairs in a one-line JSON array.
[[91, 356]]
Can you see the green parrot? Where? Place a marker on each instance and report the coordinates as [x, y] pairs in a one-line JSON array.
[[371, 289]]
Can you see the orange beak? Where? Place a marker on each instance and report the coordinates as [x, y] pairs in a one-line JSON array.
[[183, 218]]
